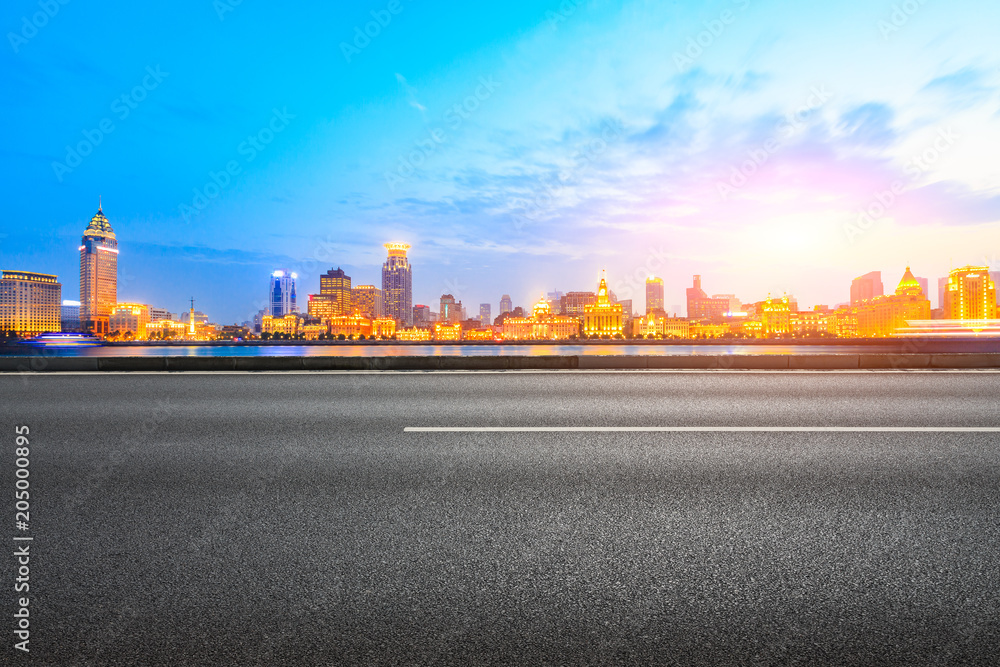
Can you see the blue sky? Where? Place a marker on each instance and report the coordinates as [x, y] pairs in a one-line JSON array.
[[520, 147]]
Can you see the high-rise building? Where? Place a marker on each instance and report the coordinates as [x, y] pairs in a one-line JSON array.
[[654, 295], [70, 316], [282, 294], [158, 314], [626, 305], [942, 286], [367, 300], [555, 299], [422, 315], [30, 303], [397, 285], [866, 287], [335, 285], [574, 303], [506, 305], [451, 310], [995, 277], [485, 315], [970, 295], [700, 306], [98, 274]]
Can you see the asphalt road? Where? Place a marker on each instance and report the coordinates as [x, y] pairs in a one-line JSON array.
[[288, 519]]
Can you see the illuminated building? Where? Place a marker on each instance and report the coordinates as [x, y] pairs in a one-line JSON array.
[[970, 294], [708, 330], [367, 300], [506, 305], [98, 274], [166, 329], [626, 305], [282, 294], [575, 303], [654, 295], [413, 334], [350, 325], [335, 286], [397, 284], [603, 318], [445, 331], [157, 314], [30, 303], [866, 287], [843, 322], [312, 330], [885, 315], [485, 317], [542, 325], [775, 317], [287, 324], [383, 327], [422, 315], [658, 325], [130, 318], [700, 306], [479, 334], [70, 316], [810, 322], [321, 307]]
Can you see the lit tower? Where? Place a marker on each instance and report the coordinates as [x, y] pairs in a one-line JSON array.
[[397, 284], [282, 293], [654, 295], [98, 274], [970, 294], [191, 330]]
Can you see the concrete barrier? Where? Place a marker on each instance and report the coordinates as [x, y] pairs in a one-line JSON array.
[[42, 364]]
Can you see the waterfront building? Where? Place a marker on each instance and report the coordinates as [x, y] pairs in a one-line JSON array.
[[397, 284], [130, 319], [700, 306], [603, 318], [383, 327], [350, 325], [321, 307], [98, 274], [659, 325], [887, 315], [654, 295], [414, 333], [167, 330], [485, 334], [776, 317], [367, 300], [970, 294], [541, 325], [286, 324], [30, 303], [70, 316], [448, 331], [157, 314], [282, 293], [866, 287]]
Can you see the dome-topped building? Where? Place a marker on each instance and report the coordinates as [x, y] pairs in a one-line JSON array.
[[909, 285]]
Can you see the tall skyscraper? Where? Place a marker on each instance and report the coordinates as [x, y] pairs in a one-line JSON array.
[[970, 294], [654, 295], [866, 287], [397, 285], [367, 300], [335, 285], [485, 316], [30, 303], [70, 316], [282, 293], [98, 274], [506, 305]]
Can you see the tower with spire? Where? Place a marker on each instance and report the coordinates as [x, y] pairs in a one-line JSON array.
[[98, 274]]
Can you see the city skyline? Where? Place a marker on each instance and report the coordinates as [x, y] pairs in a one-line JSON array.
[[533, 146]]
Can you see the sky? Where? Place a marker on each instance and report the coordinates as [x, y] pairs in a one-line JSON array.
[[519, 147]]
